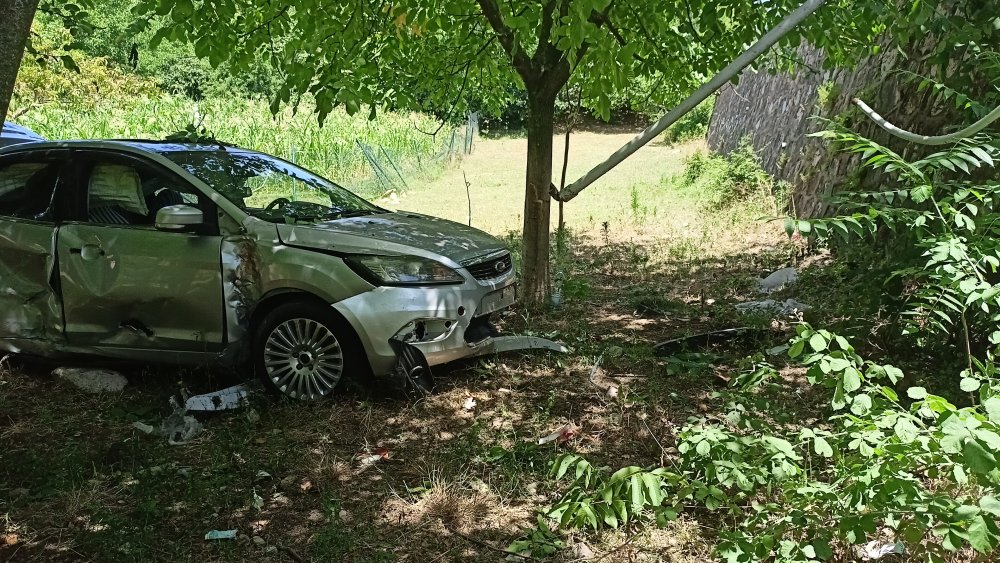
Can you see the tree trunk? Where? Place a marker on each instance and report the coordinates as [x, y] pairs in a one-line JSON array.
[[537, 202], [13, 35]]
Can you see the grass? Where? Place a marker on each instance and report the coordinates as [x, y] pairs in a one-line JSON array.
[[78, 482], [333, 150]]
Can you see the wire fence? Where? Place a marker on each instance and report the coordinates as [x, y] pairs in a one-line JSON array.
[[387, 170]]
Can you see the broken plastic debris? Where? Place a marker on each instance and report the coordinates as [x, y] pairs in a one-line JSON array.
[[786, 307], [366, 460], [225, 399], [179, 428], [580, 551], [221, 535], [778, 280], [703, 339], [469, 404], [565, 432], [598, 379], [500, 344], [875, 550], [93, 380]]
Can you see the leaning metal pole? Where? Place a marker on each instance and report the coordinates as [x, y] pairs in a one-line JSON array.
[[763, 44], [929, 139]]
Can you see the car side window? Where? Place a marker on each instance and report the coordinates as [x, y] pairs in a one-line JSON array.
[[129, 192], [27, 188]]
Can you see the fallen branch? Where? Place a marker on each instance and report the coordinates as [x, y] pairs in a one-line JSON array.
[[292, 553]]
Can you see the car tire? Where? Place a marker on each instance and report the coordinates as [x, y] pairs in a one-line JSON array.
[[303, 351]]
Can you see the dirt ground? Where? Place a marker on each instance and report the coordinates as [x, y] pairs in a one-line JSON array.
[[369, 478]]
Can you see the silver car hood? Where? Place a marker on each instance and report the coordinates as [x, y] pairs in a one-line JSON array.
[[393, 233]]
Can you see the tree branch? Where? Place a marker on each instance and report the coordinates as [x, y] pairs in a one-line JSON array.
[[545, 34], [266, 24], [506, 38]]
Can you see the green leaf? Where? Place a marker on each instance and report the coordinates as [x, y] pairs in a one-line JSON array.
[[817, 342], [977, 458], [980, 537], [893, 373], [654, 491], [969, 384], [789, 226], [781, 445], [992, 407], [916, 393], [852, 380], [635, 488], [797, 348], [905, 430], [563, 464], [861, 405], [822, 447], [990, 504], [823, 549]]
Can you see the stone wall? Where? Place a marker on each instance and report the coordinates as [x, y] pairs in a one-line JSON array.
[[776, 111]]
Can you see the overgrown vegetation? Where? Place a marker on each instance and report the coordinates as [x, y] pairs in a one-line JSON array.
[[910, 466], [97, 99], [728, 181], [694, 124]]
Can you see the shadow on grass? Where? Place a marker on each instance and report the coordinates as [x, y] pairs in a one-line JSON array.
[[448, 480]]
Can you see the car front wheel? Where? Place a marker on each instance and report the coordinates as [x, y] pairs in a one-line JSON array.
[[299, 351]]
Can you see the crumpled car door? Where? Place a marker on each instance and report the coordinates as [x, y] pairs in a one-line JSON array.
[[30, 312], [127, 285]]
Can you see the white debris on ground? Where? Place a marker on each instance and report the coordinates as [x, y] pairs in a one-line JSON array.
[[93, 380], [179, 428], [875, 550], [778, 280], [224, 399], [565, 432], [220, 535], [580, 551], [786, 307]]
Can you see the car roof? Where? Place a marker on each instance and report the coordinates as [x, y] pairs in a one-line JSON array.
[[13, 130], [147, 145]]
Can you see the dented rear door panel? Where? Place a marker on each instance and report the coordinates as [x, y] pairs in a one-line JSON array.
[[30, 316], [141, 288]]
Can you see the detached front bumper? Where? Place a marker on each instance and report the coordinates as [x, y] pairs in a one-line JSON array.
[[445, 323]]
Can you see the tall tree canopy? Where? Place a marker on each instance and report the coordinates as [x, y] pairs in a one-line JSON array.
[[439, 54]]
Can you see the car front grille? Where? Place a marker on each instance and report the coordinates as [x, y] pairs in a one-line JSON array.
[[491, 268]]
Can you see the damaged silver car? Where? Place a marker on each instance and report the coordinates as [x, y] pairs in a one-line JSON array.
[[202, 252]]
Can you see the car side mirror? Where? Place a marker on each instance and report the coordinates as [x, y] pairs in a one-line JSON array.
[[179, 218]]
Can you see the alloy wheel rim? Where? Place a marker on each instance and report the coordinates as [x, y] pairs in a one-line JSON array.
[[303, 359]]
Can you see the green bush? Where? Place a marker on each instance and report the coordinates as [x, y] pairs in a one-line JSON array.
[[694, 124], [728, 180]]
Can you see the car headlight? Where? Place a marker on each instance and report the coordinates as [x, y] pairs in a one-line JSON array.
[[402, 270]]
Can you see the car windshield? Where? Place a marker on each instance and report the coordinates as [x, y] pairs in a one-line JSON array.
[[270, 188]]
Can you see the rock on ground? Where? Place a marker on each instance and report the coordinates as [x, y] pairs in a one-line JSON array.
[[93, 380]]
